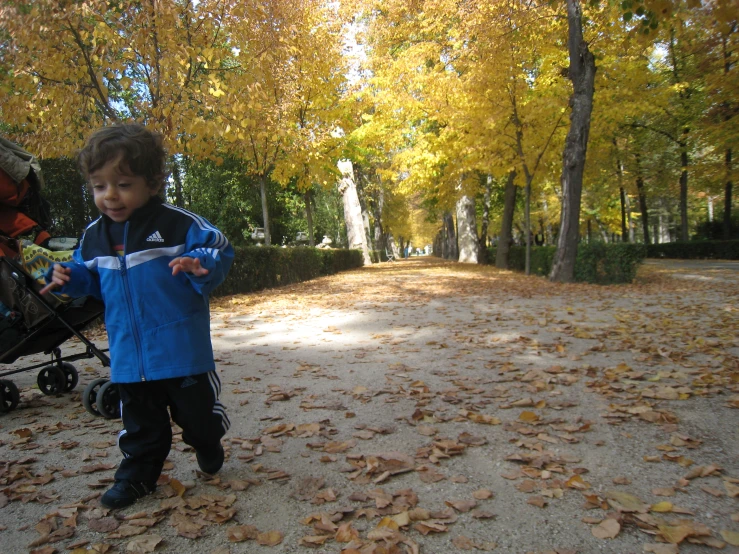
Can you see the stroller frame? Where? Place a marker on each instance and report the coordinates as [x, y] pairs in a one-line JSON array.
[[57, 375]]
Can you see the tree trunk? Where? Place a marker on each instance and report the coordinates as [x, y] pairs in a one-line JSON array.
[[727, 197], [620, 176], [309, 217], [582, 75], [548, 231], [727, 160], [353, 211], [684, 236], [367, 229], [527, 188], [482, 250], [624, 233], [381, 239], [452, 252], [362, 197], [505, 238], [467, 230], [177, 178], [265, 209], [444, 251], [527, 219], [642, 201]]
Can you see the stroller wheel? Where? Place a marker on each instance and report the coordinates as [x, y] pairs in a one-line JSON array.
[[9, 395], [71, 377], [51, 380], [89, 396], [109, 401]]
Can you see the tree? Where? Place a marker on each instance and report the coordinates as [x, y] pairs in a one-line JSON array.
[[582, 75], [68, 71], [283, 110], [72, 207], [467, 230], [352, 211]]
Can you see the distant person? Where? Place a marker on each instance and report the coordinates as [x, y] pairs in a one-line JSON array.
[[539, 239], [153, 265]]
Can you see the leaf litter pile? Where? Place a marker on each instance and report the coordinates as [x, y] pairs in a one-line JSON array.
[[421, 406]]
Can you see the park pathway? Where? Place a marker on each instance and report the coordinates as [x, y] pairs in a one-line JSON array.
[[429, 406]]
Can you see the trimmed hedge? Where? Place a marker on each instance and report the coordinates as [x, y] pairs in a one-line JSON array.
[[696, 250], [596, 262], [604, 264], [262, 267]]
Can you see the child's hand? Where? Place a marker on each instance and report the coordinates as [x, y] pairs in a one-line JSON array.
[[188, 265], [59, 277]]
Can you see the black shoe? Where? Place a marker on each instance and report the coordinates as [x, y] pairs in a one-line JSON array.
[[124, 493], [211, 463]]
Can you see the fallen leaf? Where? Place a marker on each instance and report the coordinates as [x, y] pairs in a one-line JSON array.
[[731, 490], [426, 430], [239, 533], [676, 533], [577, 482], [103, 525], [461, 505], [655, 548], [608, 529], [426, 527], [270, 538], [143, 544], [45, 550], [346, 533], [732, 537], [537, 501], [312, 541], [528, 417], [625, 502], [482, 494], [177, 487], [661, 507], [463, 543]]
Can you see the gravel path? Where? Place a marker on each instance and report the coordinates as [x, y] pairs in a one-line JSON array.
[[422, 406]]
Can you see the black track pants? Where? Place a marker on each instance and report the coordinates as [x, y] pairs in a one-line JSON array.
[[147, 435]]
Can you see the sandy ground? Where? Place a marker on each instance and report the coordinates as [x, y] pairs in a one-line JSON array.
[[422, 406]]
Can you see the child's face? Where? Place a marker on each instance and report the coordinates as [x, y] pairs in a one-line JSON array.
[[117, 192]]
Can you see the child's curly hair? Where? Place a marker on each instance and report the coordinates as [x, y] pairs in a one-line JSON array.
[[140, 150]]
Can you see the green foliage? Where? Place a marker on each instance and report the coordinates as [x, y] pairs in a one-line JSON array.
[[597, 262], [224, 195], [541, 259], [696, 250], [256, 268], [72, 207], [228, 196], [328, 216], [605, 264], [714, 230]]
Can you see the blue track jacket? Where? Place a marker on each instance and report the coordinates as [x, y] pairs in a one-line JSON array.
[[158, 324]]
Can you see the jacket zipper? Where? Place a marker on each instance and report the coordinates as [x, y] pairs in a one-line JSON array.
[[129, 303]]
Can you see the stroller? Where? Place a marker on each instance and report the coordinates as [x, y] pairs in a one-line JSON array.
[[30, 323]]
